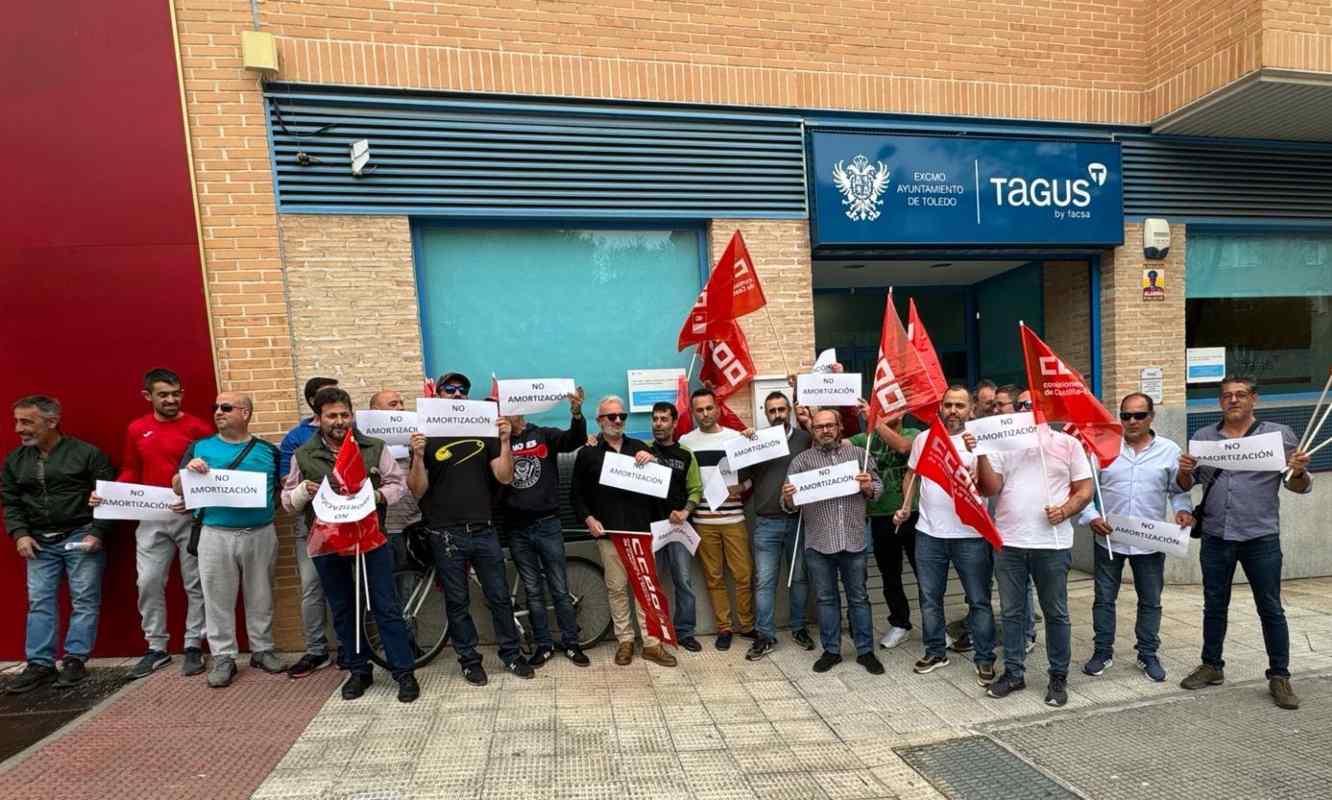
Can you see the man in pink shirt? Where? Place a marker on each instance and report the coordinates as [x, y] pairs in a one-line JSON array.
[[154, 444]]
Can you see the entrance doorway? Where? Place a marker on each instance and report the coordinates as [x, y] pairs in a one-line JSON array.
[[971, 309]]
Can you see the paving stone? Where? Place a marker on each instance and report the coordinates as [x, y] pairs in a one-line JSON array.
[[786, 786]]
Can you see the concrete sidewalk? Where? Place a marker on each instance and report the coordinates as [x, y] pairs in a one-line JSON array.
[[718, 726]]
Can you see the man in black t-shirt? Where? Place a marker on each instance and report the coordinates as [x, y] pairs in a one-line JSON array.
[[457, 481]]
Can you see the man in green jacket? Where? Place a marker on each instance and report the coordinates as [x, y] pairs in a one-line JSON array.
[[45, 486]]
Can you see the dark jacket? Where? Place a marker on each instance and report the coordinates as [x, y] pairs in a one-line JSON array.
[[49, 509], [535, 491], [316, 461], [680, 460], [615, 509], [767, 477]]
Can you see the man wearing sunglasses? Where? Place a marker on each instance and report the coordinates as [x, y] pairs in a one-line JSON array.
[[237, 546], [606, 508], [457, 481], [1136, 484], [1241, 525]]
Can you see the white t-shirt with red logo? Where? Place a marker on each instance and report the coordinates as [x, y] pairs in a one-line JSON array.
[[938, 513], [1019, 509]]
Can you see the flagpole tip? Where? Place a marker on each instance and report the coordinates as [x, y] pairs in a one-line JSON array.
[[1021, 324]]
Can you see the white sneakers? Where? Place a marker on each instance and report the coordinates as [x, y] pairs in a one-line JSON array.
[[894, 637]]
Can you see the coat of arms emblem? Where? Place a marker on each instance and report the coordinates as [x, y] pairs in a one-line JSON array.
[[861, 183]]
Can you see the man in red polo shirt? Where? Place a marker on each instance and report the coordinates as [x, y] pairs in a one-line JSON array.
[[154, 445]]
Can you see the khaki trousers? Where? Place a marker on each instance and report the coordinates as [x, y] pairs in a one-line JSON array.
[[617, 590], [722, 547]]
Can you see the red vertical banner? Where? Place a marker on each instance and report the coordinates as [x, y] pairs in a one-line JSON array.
[[635, 551], [929, 358], [733, 290], [1059, 393], [727, 365], [901, 383]]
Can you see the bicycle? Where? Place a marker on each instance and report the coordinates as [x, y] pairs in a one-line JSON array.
[[423, 608]]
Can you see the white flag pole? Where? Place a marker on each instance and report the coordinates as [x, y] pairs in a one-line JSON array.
[[692, 361], [1306, 439], [795, 551], [1317, 430], [777, 340], [365, 581], [1100, 501], [356, 565], [1319, 447]]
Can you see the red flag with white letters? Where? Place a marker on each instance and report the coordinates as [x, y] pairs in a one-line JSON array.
[[635, 551], [1059, 394], [345, 538], [901, 383], [939, 462], [929, 359], [727, 365], [733, 291]]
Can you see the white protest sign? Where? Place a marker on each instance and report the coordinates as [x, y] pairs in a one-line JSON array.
[[533, 395], [224, 488], [399, 452], [621, 472], [825, 361], [394, 427], [331, 507], [1150, 534], [1004, 433], [664, 532], [440, 416], [1265, 452], [715, 490], [828, 389], [767, 444], [825, 483], [135, 501]]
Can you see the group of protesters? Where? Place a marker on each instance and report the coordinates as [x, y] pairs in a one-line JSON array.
[[463, 489]]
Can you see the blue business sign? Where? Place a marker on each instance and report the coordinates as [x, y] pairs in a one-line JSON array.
[[892, 191]]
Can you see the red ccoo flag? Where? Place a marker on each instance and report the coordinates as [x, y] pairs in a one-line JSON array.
[[733, 291], [939, 462], [901, 382], [929, 359], [345, 538], [1059, 394], [727, 365], [685, 422], [635, 550]]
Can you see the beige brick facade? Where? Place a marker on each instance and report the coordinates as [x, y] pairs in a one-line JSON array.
[[1068, 313], [1137, 333]]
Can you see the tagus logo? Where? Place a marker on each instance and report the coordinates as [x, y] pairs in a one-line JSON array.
[[1045, 192]]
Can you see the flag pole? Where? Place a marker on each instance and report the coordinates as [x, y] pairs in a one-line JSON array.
[[1310, 437], [1100, 502], [1041, 449], [692, 361], [786, 368], [906, 498], [357, 608], [1305, 439], [1316, 449], [365, 581], [795, 551]]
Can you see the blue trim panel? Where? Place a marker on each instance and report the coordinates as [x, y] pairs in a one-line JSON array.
[[1094, 301]]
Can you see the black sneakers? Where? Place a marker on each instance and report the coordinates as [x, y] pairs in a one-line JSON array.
[[1005, 685], [193, 662], [827, 661], [151, 662], [929, 664], [408, 688], [540, 657], [520, 667], [356, 684], [1056, 694], [575, 654], [475, 674], [871, 663], [801, 637], [307, 665], [760, 648], [72, 673], [691, 644], [724, 640], [32, 676]]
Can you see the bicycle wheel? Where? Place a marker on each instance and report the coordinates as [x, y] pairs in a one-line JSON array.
[[587, 590], [422, 611]]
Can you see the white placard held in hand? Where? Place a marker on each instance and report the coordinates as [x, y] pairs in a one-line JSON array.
[[767, 444], [533, 395], [394, 427], [440, 416], [664, 532], [825, 483], [825, 361], [135, 501], [224, 488], [620, 472], [1005, 433], [828, 389], [331, 507], [1265, 452], [715, 490], [1150, 534]]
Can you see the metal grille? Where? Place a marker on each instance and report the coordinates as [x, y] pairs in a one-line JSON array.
[[452, 156], [1190, 177], [1294, 416], [975, 768]]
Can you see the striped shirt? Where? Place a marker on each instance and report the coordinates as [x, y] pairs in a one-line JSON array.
[[708, 449], [836, 525]]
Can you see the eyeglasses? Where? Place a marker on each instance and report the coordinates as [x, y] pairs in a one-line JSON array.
[[613, 417], [225, 408], [1228, 396], [1022, 405], [453, 388], [825, 426], [1125, 416]]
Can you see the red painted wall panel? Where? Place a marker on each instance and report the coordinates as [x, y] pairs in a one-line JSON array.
[[98, 251]]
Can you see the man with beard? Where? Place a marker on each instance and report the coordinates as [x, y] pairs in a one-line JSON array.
[[312, 464], [536, 539]]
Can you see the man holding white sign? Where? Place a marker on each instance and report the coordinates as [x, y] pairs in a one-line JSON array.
[[608, 508], [237, 545], [154, 444], [835, 535], [1239, 522], [1135, 486]]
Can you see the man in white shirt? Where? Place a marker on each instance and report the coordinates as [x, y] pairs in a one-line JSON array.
[[1036, 493], [1134, 485], [947, 540]]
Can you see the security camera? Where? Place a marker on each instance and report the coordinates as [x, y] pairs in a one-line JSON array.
[[360, 156]]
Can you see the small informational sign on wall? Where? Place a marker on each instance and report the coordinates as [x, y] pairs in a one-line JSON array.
[[1151, 382], [648, 386], [1205, 364]]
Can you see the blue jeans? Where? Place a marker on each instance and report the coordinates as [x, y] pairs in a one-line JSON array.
[[84, 571], [974, 562], [683, 611], [1148, 580], [454, 549], [1261, 559], [774, 537], [1049, 570], [337, 574], [538, 551], [824, 570]]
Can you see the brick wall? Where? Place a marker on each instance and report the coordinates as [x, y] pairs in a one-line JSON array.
[[1196, 47], [780, 249], [1136, 333], [1297, 34], [353, 302], [1068, 313]]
